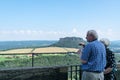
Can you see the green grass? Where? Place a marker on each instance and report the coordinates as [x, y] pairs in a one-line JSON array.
[[41, 60], [117, 57], [5, 59]]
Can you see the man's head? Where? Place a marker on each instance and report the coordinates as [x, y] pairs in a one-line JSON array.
[[91, 35]]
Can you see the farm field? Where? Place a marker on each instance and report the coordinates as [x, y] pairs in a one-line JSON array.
[[40, 60], [40, 50], [50, 56], [43, 57]]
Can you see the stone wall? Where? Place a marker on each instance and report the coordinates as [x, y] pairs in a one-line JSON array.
[[36, 73], [51, 73]]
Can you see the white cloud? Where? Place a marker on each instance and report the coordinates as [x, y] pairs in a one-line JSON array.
[[109, 33], [30, 35], [21, 32], [28, 32], [15, 32], [74, 30], [53, 35], [4, 32]]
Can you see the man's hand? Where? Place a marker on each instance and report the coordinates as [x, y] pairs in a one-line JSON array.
[[83, 61]]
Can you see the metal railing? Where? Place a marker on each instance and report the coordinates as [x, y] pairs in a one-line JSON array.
[[35, 59], [9, 57], [75, 72]]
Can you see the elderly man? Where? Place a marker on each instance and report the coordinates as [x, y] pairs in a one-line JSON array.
[[93, 58]]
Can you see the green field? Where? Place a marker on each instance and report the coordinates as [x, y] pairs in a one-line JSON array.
[[40, 60], [43, 57], [117, 57]]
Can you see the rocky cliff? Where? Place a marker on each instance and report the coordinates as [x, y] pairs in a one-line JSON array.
[[70, 42]]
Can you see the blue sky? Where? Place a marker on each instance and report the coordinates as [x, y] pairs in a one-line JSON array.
[[53, 19]]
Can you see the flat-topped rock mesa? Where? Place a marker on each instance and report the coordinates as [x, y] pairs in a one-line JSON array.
[[70, 42]]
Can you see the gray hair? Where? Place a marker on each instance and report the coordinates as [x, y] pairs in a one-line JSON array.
[[93, 33], [105, 41]]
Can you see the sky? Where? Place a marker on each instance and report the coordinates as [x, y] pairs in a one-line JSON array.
[[54, 19]]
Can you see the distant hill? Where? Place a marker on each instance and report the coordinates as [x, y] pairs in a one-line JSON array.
[[6, 45], [115, 46], [115, 43], [70, 42]]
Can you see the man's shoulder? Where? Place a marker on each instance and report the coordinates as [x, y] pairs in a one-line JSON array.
[[94, 42]]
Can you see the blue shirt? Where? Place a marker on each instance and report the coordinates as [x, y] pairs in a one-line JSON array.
[[95, 55]]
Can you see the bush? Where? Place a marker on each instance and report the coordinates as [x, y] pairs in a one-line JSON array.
[[41, 60]]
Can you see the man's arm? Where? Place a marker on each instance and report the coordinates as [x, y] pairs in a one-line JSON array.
[[85, 54]]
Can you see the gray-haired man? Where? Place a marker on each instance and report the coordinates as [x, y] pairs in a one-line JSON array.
[[93, 58]]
